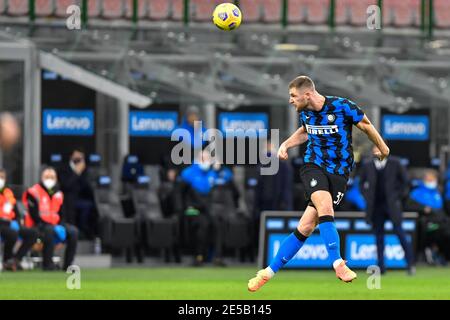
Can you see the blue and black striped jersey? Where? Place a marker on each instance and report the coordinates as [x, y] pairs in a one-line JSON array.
[[330, 134]]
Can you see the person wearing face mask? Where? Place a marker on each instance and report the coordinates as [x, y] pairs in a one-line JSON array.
[[434, 225], [44, 204], [79, 203], [194, 187], [384, 184], [10, 229]]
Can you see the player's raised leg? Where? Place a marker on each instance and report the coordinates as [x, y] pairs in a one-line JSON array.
[[324, 204], [289, 247]]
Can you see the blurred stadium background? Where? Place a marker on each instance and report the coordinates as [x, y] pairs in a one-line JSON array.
[[165, 57]]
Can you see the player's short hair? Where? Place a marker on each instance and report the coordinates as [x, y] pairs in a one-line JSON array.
[[302, 82]]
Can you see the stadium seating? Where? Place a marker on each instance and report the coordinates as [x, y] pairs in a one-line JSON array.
[[406, 13], [44, 8], [56, 161], [296, 12], [158, 232], [17, 7], [141, 12], [94, 8], [318, 11], [62, 5], [201, 10], [94, 169], [176, 9], [236, 227], [158, 10], [250, 9], [401, 13], [116, 231], [272, 10], [442, 13], [358, 11], [113, 9], [342, 13], [307, 11]]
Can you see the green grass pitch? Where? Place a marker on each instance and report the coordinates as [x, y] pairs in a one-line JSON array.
[[221, 284]]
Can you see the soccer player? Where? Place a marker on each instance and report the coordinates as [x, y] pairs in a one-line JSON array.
[[326, 123]]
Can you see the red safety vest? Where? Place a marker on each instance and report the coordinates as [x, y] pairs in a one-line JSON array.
[[48, 206], [7, 203]]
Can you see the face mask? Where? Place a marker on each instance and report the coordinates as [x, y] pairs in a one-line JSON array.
[[380, 164], [204, 166], [2, 183], [431, 184], [49, 183]]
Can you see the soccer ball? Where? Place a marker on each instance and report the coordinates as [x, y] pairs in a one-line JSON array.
[[227, 16]]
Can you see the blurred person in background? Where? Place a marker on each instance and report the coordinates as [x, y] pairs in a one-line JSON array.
[[166, 192], [79, 203], [273, 192], [169, 202], [9, 131], [224, 177], [224, 204], [447, 190], [384, 183], [44, 204], [192, 135], [434, 225], [196, 182], [10, 228], [132, 168]]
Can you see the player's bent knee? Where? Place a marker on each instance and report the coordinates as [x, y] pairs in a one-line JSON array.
[[325, 209], [306, 229]]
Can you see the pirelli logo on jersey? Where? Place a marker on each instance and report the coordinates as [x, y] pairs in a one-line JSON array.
[[326, 129]]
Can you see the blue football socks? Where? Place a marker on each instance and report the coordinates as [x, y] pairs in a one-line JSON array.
[[289, 247], [330, 237]]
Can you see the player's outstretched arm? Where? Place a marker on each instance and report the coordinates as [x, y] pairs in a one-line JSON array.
[[366, 126], [297, 138]]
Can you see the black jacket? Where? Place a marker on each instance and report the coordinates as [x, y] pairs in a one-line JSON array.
[[395, 185], [74, 187], [187, 196], [274, 192]]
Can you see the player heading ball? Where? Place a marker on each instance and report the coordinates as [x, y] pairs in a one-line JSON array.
[[326, 124]]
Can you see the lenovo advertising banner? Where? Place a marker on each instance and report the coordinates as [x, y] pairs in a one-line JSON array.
[[150, 131], [67, 118], [358, 245], [242, 130], [408, 135]]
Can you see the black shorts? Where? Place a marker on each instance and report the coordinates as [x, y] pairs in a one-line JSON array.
[[315, 178]]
